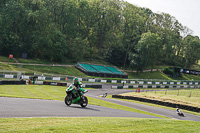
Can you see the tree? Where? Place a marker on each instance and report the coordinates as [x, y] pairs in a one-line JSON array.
[[132, 27], [136, 60], [12, 20], [79, 49], [56, 47], [169, 29], [191, 50], [103, 29], [148, 51], [115, 55]]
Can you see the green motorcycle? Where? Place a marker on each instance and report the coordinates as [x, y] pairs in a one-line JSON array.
[[75, 96]]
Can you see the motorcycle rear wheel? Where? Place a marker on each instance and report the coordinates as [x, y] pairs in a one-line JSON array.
[[84, 102], [68, 100]]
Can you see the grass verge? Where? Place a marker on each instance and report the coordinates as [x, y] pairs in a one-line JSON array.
[[97, 124], [55, 69], [146, 75], [187, 97]]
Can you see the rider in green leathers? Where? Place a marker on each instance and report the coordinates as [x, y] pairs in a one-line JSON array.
[[78, 85]]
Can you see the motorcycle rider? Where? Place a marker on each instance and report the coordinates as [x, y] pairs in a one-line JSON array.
[[78, 85], [178, 111]]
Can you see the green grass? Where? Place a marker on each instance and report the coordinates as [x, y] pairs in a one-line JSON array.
[[56, 93], [176, 96], [97, 124], [6, 67], [35, 61], [192, 77], [146, 75], [38, 61], [96, 61], [9, 67], [31, 69], [55, 70], [33, 91], [6, 59]]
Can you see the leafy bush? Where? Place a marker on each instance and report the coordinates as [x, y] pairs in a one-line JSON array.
[[168, 71]]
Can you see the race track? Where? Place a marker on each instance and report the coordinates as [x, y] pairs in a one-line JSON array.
[[156, 110], [21, 107]]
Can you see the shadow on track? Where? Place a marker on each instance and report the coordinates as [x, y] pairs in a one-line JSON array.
[[86, 108]]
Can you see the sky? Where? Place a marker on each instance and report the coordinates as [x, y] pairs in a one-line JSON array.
[[187, 12]]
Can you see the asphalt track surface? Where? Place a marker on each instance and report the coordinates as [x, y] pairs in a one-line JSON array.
[[156, 110], [21, 107]]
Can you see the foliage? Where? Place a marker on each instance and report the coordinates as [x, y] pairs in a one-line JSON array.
[[147, 51], [111, 30], [116, 55], [168, 71], [191, 54], [79, 49]]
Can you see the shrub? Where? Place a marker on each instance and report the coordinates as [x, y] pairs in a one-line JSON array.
[[168, 71]]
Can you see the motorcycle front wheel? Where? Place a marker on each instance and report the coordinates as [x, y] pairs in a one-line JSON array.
[[68, 100], [84, 102]]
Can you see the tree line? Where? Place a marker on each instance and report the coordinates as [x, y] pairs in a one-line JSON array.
[[111, 30]]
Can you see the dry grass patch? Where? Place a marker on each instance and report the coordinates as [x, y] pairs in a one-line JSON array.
[[187, 97]]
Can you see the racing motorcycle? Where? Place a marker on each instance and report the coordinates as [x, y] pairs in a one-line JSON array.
[[180, 113], [75, 97]]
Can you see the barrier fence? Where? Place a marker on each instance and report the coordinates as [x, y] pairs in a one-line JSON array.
[[133, 81], [12, 82], [100, 86], [155, 86], [64, 84], [44, 83], [174, 105]]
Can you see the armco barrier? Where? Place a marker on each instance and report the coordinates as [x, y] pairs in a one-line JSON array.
[[132, 81], [93, 86], [54, 83], [64, 84], [186, 107], [13, 82], [38, 82], [154, 86]]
